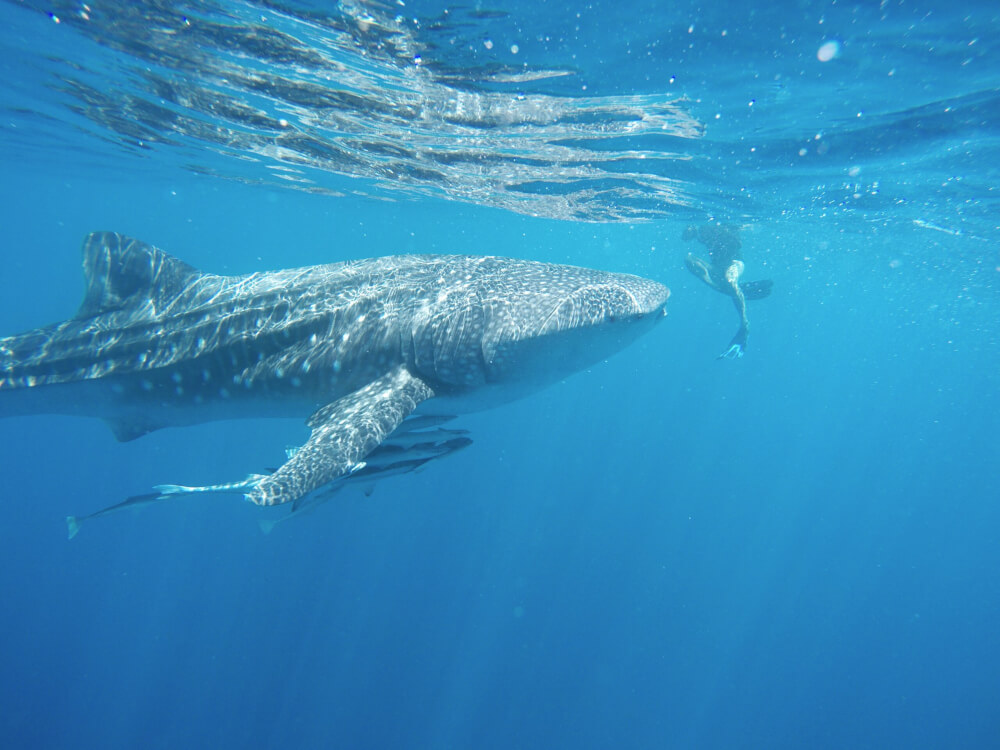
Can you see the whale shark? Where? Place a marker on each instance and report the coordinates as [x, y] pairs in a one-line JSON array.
[[362, 349]]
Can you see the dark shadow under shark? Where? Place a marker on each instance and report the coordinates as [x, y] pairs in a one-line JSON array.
[[356, 347]]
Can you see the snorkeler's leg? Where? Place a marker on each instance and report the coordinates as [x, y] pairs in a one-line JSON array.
[[738, 344], [699, 268]]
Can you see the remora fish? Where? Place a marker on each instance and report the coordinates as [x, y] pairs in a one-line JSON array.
[[357, 345], [403, 452]]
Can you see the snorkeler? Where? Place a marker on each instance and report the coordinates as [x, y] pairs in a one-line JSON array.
[[722, 272]]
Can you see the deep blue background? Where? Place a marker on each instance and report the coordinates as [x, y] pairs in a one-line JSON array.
[[798, 549]]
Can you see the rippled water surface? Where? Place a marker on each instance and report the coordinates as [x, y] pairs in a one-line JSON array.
[[882, 113]]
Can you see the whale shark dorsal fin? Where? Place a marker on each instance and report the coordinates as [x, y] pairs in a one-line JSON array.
[[343, 433], [122, 272]]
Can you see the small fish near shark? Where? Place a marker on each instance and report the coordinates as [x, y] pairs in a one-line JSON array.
[[405, 450], [374, 353]]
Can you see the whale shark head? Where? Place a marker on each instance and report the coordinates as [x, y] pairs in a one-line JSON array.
[[526, 323]]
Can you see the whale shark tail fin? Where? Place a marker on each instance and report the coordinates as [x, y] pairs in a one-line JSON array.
[[125, 273]]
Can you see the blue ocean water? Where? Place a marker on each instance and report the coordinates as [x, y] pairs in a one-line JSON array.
[[795, 549]]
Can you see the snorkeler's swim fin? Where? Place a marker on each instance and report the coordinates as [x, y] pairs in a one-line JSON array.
[[737, 346], [756, 289]]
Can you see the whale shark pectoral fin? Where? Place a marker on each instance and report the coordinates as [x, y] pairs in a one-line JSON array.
[[343, 433]]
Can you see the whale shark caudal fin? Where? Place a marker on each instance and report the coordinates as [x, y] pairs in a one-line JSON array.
[[343, 433], [122, 272]]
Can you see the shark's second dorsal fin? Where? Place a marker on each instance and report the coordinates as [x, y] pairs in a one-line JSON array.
[[122, 272]]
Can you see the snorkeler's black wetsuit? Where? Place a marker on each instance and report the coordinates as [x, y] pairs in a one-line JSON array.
[[722, 272]]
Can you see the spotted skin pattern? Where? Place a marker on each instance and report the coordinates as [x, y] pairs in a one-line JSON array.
[[358, 345]]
